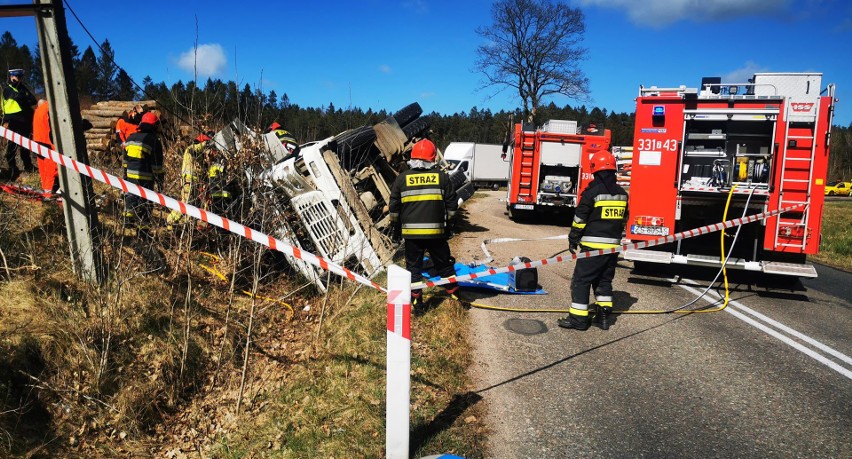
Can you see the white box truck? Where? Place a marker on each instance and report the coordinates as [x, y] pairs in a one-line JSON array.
[[483, 163]]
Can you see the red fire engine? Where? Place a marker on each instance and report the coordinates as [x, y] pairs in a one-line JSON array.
[[769, 137], [549, 166]]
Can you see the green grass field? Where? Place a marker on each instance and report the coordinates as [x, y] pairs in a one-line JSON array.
[[836, 236]]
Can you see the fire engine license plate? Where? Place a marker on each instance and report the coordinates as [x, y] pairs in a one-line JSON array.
[[524, 206], [650, 230]]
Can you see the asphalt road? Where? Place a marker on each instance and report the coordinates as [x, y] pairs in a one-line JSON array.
[[768, 376]]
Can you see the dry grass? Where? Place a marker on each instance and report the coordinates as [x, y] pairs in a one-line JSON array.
[[333, 404]]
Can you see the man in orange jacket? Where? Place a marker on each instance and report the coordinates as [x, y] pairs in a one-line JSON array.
[[41, 133]]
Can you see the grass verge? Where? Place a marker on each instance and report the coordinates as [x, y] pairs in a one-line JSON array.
[[836, 236], [333, 404]]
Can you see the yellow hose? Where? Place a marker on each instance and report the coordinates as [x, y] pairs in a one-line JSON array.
[[217, 273]]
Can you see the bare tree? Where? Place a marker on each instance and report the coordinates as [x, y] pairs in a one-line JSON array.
[[534, 47]]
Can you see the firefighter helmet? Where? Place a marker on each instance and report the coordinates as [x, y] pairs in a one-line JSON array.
[[424, 150], [273, 126], [602, 161], [202, 138], [150, 118]]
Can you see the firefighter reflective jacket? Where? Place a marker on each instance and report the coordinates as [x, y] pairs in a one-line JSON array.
[[285, 137], [220, 185], [600, 216], [143, 156], [422, 202]]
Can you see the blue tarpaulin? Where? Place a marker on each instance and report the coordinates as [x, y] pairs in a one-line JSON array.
[[498, 282]]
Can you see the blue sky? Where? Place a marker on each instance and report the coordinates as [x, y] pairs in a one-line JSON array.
[[385, 54]]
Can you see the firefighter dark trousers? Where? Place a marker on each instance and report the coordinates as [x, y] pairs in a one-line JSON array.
[[439, 252], [595, 272], [137, 211]]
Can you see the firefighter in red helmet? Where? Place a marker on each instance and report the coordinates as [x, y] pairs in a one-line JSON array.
[[598, 224], [287, 139], [143, 165], [422, 205]]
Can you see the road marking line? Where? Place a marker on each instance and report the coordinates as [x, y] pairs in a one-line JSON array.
[[783, 338]]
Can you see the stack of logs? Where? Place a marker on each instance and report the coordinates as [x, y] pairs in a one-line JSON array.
[[103, 116]]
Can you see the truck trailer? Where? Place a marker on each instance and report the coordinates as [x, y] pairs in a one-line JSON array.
[[550, 166], [484, 164], [766, 139]]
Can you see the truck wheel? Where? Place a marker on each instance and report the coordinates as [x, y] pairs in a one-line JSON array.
[[415, 127], [495, 187], [518, 215], [353, 146], [407, 114]]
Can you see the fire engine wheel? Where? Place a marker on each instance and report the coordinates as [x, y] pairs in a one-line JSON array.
[[519, 215], [407, 114]]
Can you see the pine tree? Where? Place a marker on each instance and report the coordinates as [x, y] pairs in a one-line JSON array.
[[126, 89], [87, 74], [107, 88]]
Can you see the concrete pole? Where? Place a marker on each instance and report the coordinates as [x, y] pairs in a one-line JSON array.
[[81, 220]]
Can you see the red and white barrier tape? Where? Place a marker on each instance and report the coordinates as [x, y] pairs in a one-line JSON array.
[[594, 253], [186, 209]]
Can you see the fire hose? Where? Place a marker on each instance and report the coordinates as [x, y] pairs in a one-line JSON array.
[[680, 309]]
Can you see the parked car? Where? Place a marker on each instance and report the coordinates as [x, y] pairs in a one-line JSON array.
[[839, 188]]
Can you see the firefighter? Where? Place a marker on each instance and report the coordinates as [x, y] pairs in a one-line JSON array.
[[47, 169], [219, 184], [143, 165], [18, 104], [422, 206], [128, 123], [286, 138], [192, 166], [598, 224]]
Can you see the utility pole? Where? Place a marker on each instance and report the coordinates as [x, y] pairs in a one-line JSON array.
[[81, 220]]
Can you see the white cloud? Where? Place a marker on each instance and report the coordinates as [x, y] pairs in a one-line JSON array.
[[208, 60], [742, 75], [658, 13], [384, 68]]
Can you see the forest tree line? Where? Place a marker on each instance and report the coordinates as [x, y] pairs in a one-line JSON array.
[[215, 102]]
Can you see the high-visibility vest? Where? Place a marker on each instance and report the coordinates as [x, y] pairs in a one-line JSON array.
[[10, 105]]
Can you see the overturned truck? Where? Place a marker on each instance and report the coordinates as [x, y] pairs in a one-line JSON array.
[[331, 199]]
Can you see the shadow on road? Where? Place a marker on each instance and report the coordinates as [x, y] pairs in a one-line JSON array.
[[572, 356]]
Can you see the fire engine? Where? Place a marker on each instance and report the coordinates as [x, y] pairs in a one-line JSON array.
[[550, 166], [767, 139]]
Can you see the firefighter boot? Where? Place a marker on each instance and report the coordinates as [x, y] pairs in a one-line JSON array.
[[576, 322], [417, 306], [604, 317]]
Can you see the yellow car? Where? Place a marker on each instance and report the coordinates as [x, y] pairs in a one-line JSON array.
[[838, 188]]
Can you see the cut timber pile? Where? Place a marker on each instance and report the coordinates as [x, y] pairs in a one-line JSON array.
[[103, 116]]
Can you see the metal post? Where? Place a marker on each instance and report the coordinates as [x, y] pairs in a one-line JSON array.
[[81, 220], [398, 396]]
